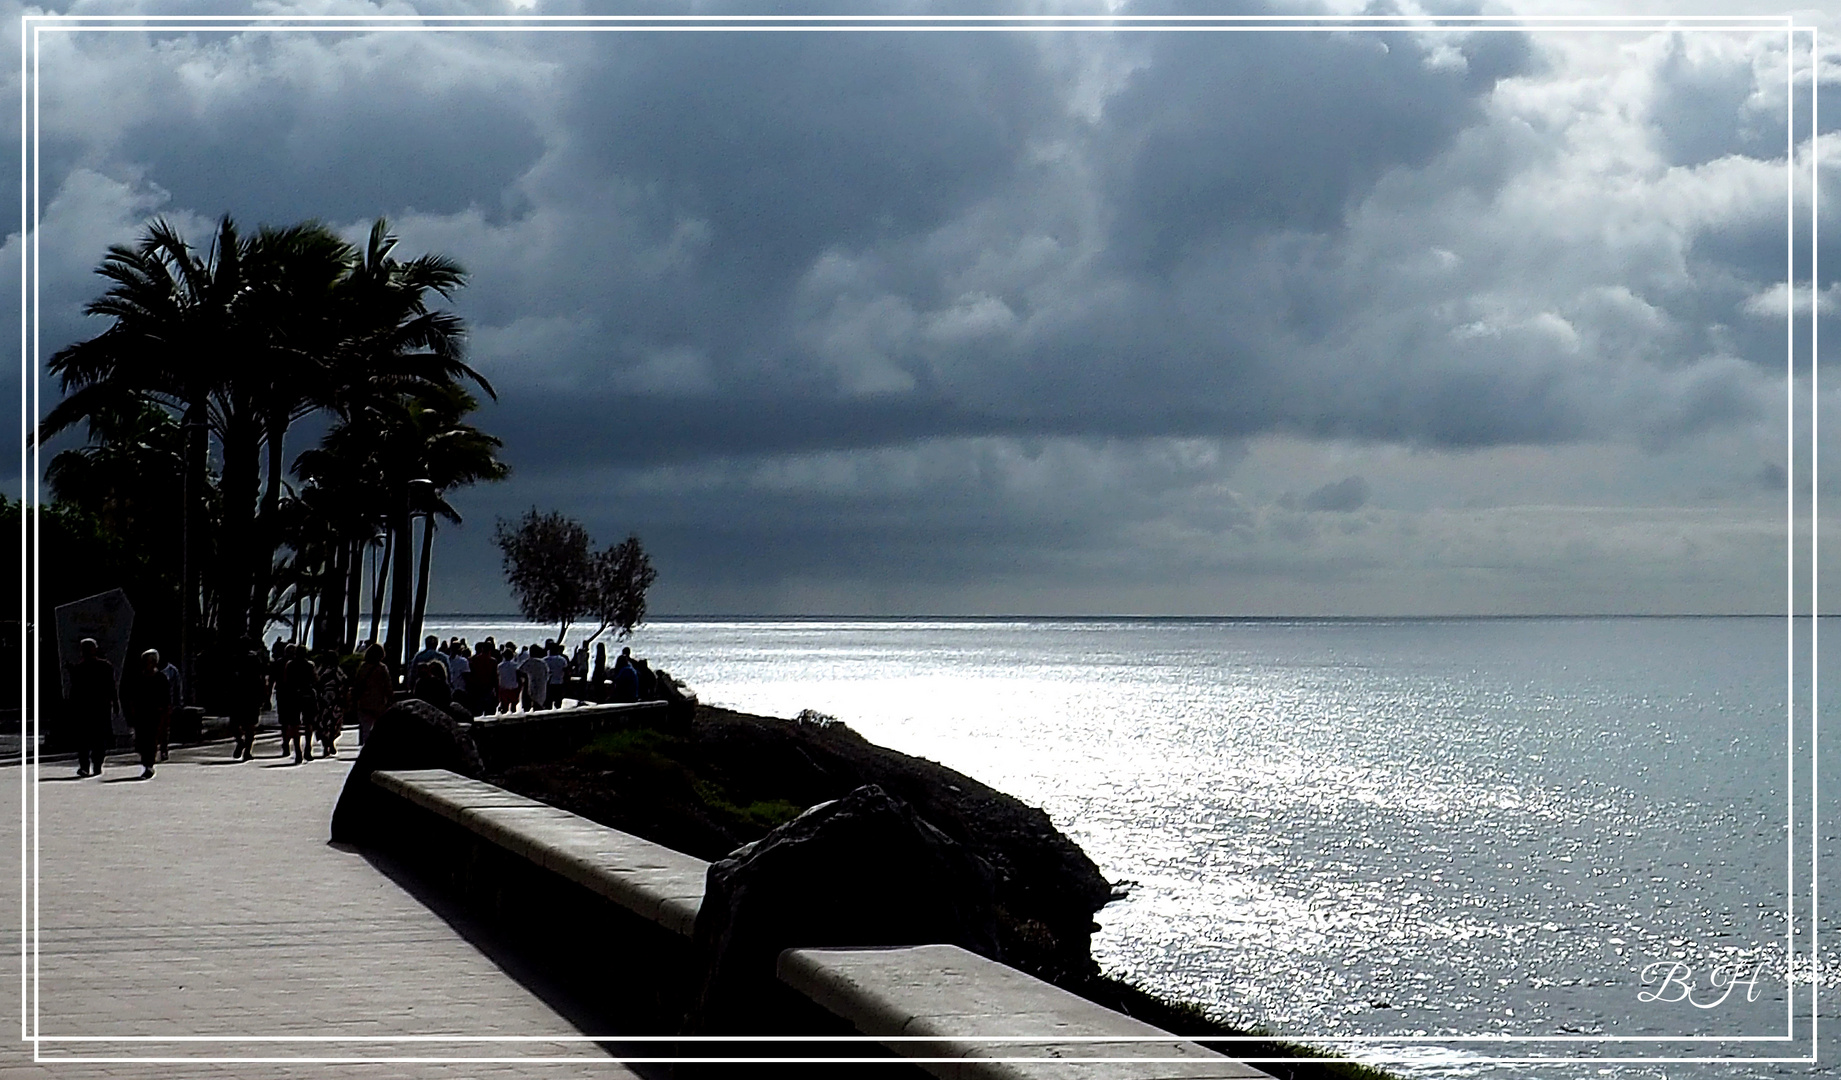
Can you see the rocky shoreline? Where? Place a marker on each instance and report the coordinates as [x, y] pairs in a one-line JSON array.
[[715, 779]]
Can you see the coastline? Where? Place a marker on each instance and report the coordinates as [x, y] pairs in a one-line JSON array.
[[725, 778]]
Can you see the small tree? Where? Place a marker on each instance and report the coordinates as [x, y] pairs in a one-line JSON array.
[[622, 574], [548, 566]]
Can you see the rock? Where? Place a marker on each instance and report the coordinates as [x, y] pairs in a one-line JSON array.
[[682, 702], [863, 870], [411, 734]]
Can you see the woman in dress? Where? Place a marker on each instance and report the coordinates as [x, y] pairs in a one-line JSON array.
[[331, 698]]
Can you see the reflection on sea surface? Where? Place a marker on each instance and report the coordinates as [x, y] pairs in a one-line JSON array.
[[1382, 828]]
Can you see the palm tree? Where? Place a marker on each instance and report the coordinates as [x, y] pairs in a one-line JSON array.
[[296, 273], [399, 352], [179, 339], [383, 454], [242, 342], [453, 455]]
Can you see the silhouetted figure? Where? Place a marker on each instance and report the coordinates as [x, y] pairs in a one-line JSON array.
[[536, 679], [600, 663], [625, 680], [432, 686], [331, 694], [295, 700], [277, 659], [559, 671], [459, 669], [431, 650], [249, 678], [92, 706], [371, 691], [509, 678], [146, 699], [648, 681], [483, 680]]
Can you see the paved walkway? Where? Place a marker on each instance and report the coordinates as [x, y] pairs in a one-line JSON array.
[[207, 902]]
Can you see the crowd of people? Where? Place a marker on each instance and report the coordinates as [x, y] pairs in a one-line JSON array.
[[491, 678], [316, 694]]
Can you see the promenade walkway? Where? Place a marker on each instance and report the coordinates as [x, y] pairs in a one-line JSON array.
[[207, 902]]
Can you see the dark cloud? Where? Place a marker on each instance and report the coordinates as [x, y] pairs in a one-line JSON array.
[[1218, 136], [1342, 496], [939, 308], [1704, 108]]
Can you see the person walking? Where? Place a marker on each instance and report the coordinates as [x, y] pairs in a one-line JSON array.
[[249, 677], [146, 699], [371, 691], [295, 698], [92, 706], [330, 692]]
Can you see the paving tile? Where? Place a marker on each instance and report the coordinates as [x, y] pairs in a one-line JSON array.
[[207, 902]]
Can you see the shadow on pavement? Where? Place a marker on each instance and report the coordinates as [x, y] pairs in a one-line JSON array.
[[496, 947]]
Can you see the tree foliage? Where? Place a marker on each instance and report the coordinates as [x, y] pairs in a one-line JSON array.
[[237, 342], [556, 575], [547, 565], [622, 574]]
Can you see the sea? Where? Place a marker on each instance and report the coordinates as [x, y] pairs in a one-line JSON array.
[[1477, 847]]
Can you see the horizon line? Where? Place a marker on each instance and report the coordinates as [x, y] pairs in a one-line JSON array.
[[1140, 617]]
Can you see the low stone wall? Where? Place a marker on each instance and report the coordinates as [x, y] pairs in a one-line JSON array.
[[661, 886], [618, 911], [945, 1002], [517, 738], [606, 915]]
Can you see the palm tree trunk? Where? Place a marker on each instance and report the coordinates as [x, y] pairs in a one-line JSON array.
[[428, 551], [237, 612], [354, 593], [381, 575], [192, 431], [267, 528], [400, 584]]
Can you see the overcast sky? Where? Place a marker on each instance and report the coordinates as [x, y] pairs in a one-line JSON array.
[[1190, 323]]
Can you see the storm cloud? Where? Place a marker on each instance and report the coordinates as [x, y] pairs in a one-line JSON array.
[[924, 318]]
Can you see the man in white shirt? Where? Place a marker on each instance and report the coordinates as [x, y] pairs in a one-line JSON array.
[[559, 670], [508, 679], [536, 679]]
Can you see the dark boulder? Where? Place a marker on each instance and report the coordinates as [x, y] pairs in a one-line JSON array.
[[682, 701], [863, 870], [411, 734]]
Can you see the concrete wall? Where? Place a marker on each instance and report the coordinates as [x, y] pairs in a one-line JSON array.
[[614, 915], [518, 738]]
